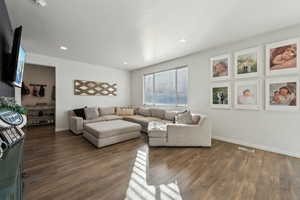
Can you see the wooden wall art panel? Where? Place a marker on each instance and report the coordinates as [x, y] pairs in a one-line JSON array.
[[92, 88]]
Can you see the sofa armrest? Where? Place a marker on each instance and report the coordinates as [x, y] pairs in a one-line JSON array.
[[76, 125], [190, 134]]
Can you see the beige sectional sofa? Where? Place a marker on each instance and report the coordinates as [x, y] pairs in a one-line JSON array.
[[141, 116], [197, 133]]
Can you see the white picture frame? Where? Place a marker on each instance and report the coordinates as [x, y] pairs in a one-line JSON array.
[[276, 84], [257, 52], [276, 46], [243, 90], [212, 66], [214, 86]]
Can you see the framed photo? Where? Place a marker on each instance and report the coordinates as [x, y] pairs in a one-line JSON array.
[[247, 63], [282, 94], [221, 95], [220, 68], [248, 95], [282, 57]]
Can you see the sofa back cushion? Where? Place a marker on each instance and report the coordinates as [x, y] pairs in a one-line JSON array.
[[158, 112], [145, 112], [125, 111], [107, 111], [184, 118], [91, 113]]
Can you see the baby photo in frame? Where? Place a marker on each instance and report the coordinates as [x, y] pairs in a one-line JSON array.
[[248, 95], [282, 57], [220, 68], [282, 94]]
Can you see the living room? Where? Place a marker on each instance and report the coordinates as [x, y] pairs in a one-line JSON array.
[[152, 100]]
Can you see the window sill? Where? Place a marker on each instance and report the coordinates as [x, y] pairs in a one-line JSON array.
[[166, 105]]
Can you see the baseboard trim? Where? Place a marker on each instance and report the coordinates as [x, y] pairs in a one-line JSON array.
[[60, 129], [261, 147]]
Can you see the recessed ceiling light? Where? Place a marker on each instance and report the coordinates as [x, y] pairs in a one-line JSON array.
[[182, 40], [63, 48], [125, 63]]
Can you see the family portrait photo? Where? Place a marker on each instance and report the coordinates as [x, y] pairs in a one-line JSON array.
[[247, 94], [220, 68], [247, 63], [282, 57], [221, 95], [282, 94]]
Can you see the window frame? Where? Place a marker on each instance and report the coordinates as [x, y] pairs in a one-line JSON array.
[[176, 87]]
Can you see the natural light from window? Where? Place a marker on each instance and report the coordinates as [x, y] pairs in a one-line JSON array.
[[167, 87]]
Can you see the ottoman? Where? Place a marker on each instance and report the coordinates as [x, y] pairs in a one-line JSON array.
[[110, 132]]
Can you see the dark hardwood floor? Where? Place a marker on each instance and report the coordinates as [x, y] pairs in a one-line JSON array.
[[64, 166]]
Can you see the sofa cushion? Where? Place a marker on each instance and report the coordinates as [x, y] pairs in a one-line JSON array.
[[157, 134], [98, 119], [111, 117], [158, 112], [124, 111], [144, 112], [79, 112], [184, 118], [91, 113], [107, 110], [111, 128]]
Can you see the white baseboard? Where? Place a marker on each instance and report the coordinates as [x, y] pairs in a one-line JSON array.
[[261, 147], [60, 129]]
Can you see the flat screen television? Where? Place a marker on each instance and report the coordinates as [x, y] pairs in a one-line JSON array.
[[16, 60]]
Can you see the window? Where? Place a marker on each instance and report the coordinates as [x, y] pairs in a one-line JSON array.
[[166, 88]]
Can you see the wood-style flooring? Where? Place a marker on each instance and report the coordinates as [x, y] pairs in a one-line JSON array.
[[62, 166]]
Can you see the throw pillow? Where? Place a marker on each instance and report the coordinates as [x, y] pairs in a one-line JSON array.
[[184, 118], [145, 112], [107, 111], [125, 111], [80, 113], [91, 113], [170, 115]]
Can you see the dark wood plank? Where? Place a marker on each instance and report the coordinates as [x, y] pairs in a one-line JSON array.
[[64, 166]]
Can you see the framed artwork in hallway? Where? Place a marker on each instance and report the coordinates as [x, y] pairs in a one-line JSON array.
[[220, 68], [282, 57], [247, 95], [221, 95], [282, 94]]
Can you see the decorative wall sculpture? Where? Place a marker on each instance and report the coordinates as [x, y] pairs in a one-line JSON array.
[[92, 88]]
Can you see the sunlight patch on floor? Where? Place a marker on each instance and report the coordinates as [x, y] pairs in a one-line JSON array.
[[138, 189]]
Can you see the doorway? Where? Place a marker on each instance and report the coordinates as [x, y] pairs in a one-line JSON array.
[[38, 95]]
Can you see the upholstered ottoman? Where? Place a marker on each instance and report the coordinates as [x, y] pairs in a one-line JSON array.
[[110, 132]]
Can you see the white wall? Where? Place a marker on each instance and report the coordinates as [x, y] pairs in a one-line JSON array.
[[273, 131], [67, 71]]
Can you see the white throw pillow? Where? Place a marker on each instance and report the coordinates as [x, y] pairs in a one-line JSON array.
[[91, 113], [184, 118]]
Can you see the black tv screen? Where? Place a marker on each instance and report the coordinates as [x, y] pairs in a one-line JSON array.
[[17, 60]]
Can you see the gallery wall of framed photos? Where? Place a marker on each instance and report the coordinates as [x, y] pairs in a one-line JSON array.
[[242, 80]]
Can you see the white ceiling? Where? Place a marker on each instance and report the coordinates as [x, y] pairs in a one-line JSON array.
[[143, 32]]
